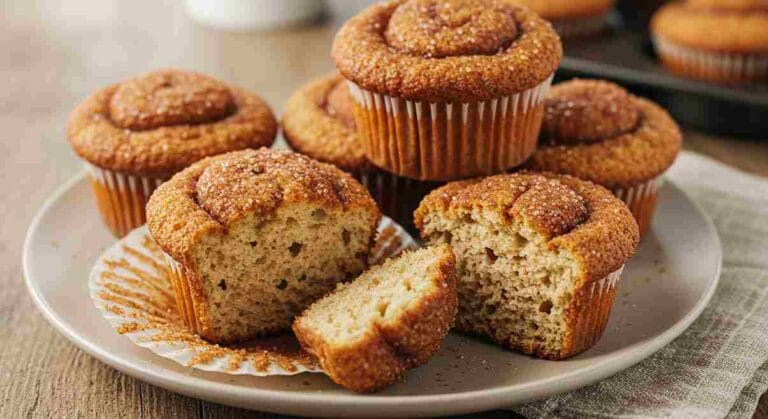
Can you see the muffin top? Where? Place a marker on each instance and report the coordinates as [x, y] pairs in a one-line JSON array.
[[570, 214], [212, 194], [567, 9], [736, 26], [163, 121], [447, 50], [318, 121], [596, 130]]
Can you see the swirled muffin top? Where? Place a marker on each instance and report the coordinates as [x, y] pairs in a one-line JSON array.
[[318, 121], [736, 26], [163, 121], [596, 130], [447, 50]]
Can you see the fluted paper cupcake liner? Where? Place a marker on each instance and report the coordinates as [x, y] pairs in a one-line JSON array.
[[121, 197], [592, 309], [443, 141], [132, 287], [711, 66], [583, 26], [641, 200]]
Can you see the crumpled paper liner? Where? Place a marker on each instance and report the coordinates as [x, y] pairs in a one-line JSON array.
[[130, 287]]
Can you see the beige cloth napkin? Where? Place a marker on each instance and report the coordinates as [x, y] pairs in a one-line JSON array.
[[719, 366]]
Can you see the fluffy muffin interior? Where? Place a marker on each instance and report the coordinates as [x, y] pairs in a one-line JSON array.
[[511, 286], [379, 297], [261, 274]]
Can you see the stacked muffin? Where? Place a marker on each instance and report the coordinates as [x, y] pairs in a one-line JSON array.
[[439, 90]]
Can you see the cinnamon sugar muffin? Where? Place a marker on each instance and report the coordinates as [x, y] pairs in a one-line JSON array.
[[538, 257], [135, 134], [446, 89], [714, 40], [596, 131], [319, 121], [255, 236], [572, 18]]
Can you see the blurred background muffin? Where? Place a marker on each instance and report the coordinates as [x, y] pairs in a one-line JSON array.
[[714, 40], [572, 18]]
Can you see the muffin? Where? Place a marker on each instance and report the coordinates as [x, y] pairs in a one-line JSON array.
[[714, 40], [596, 131], [319, 121], [392, 318], [538, 257], [445, 89], [572, 18], [253, 237], [135, 134]]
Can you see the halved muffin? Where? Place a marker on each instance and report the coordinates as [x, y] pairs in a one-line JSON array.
[[253, 237], [538, 257], [392, 318]]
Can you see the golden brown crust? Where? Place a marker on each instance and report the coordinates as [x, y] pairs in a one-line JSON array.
[[587, 111], [567, 9], [384, 354], [625, 160], [730, 5], [207, 197], [316, 122], [730, 31], [399, 61], [574, 215], [163, 121]]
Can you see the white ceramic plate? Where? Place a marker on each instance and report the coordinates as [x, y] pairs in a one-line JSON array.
[[663, 289]]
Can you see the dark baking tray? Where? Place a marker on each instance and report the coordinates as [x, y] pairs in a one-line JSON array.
[[626, 57]]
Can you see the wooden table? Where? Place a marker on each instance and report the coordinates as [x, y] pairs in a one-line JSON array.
[[51, 56]]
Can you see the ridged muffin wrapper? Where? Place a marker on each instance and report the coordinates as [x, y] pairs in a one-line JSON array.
[[443, 141], [641, 200], [142, 293], [580, 26], [397, 196], [595, 301], [121, 197], [711, 66]]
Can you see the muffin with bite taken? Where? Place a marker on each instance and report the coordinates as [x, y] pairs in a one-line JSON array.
[[253, 237], [597, 131], [135, 134]]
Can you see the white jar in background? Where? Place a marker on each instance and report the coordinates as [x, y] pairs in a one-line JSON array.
[[245, 15]]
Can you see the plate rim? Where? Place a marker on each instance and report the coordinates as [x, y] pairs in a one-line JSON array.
[[495, 398]]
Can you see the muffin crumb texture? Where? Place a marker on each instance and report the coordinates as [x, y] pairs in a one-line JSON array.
[[259, 235], [537, 257], [367, 333]]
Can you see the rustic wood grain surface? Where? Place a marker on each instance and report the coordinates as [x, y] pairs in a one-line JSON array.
[[54, 53]]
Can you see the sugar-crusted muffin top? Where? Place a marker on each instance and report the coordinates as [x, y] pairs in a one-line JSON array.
[[212, 194], [447, 50], [318, 121], [595, 130], [738, 26], [571, 214], [567, 9], [160, 122]]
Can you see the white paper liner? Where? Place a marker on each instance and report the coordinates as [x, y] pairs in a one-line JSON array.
[[640, 200], [129, 285], [702, 64], [584, 26], [126, 194], [439, 150]]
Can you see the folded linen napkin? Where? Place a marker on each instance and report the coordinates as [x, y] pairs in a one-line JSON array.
[[719, 366]]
